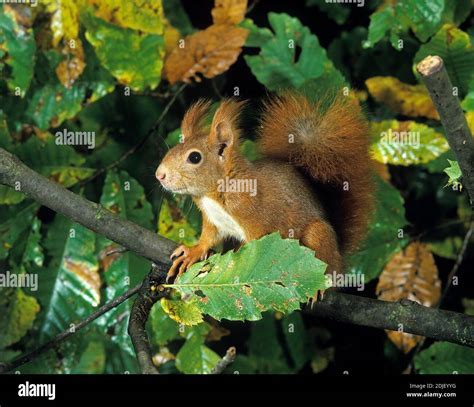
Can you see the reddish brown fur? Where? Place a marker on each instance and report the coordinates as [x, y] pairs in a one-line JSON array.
[[331, 145]]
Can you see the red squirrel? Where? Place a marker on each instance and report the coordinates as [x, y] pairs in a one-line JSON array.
[[313, 182]]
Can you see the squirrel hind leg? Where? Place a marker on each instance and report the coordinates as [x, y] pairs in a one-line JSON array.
[[319, 236]]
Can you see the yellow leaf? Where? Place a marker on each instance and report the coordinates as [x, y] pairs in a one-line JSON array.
[[142, 15], [185, 313], [229, 11], [411, 274], [209, 52], [172, 36], [408, 100], [65, 28], [72, 66]]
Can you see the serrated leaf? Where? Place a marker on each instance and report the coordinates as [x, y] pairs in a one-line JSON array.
[[257, 36], [386, 235], [269, 273], [276, 66], [17, 50], [405, 142], [410, 274], [186, 313], [209, 52], [402, 98], [381, 21], [133, 58], [17, 313], [454, 46], [445, 358]]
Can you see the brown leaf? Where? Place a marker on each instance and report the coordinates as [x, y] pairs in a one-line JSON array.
[[87, 274], [209, 52], [410, 274], [229, 11]]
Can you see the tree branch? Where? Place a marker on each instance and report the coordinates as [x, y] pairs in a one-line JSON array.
[[151, 291], [228, 359], [406, 315], [458, 134]]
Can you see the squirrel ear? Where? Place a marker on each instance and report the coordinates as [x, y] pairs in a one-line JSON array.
[[224, 127]]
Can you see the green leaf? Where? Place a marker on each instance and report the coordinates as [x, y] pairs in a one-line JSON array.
[[186, 313], [60, 162], [269, 273], [381, 22], [135, 59], [405, 143], [124, 196], [18, 43], [454, 174], [69, 288], [296, 339], [163, 328], [468, 102], [17, 220], [276, 67], [196, 358], [17, 313], [454, 46], [385, 236], [33, 253], [424, 17], [257, 37], [92, 361], [445, 358], [449, 247]]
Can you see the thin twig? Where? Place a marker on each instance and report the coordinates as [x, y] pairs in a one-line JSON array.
[[6, 367], [228, 359]]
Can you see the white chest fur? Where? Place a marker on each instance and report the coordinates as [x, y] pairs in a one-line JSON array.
[[219, 217]]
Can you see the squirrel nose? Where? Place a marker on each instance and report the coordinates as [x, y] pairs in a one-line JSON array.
[[160, 174]]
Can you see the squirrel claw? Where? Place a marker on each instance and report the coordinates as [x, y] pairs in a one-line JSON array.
[[184, 257]]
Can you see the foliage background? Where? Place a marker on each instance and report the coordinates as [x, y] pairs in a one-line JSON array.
[[115, 81]]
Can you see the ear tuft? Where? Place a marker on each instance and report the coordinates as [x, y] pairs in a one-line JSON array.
[[225, 124], [193, 123]]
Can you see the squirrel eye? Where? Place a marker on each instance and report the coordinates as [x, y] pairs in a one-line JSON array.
[[194, 157]]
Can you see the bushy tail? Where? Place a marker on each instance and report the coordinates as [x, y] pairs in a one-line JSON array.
[[327, 140]]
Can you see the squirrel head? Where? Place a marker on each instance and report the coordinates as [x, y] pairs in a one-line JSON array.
[[206, 154]]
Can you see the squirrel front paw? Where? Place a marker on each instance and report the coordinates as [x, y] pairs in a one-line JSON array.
[[184, 257]]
